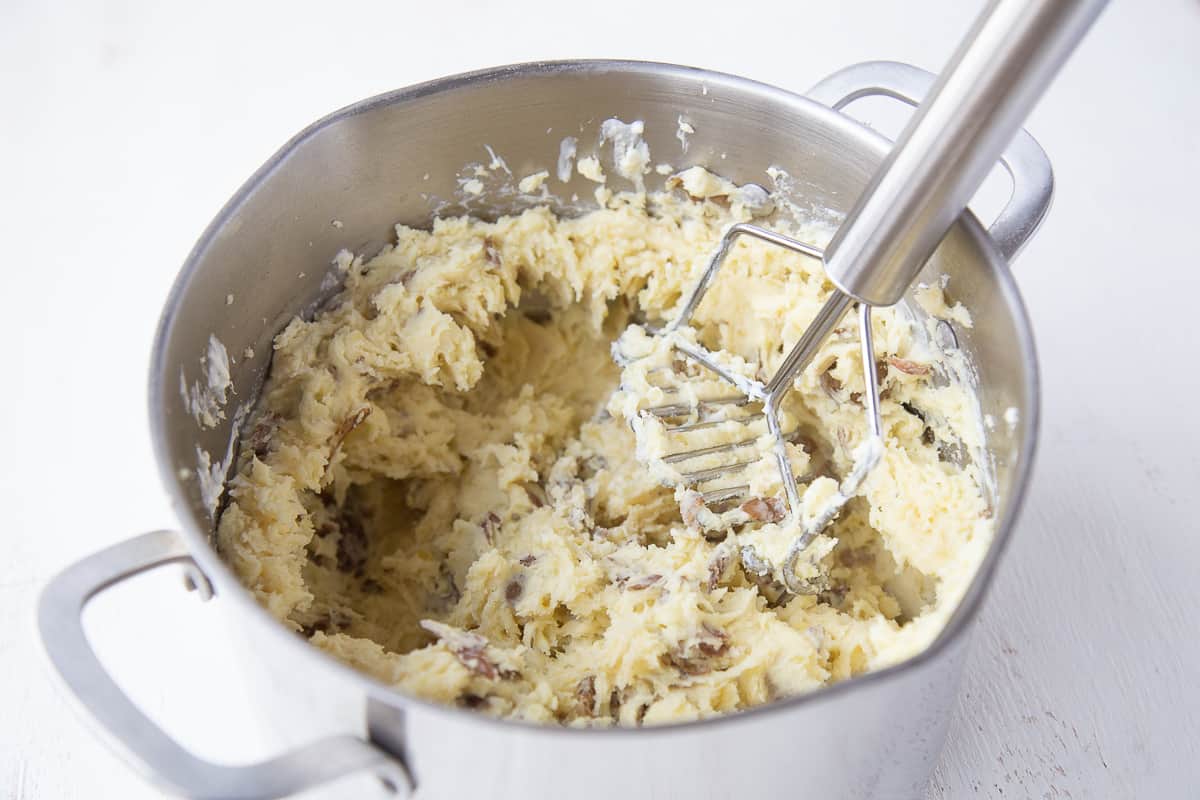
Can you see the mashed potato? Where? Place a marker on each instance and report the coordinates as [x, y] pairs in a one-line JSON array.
[[441, 486]]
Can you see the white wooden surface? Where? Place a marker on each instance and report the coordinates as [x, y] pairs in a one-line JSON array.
[[127, 124]]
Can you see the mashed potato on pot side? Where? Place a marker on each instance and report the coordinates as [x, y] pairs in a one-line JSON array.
[[441, 485]]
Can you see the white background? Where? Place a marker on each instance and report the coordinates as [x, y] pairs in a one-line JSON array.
[[126, 125]]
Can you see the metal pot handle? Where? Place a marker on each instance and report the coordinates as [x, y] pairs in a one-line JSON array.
[[151, 751], [1024, 159]]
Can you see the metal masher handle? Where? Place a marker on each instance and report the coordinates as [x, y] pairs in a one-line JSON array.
[[976, 107]]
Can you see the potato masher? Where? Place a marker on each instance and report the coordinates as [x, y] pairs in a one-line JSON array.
[[980, 100]]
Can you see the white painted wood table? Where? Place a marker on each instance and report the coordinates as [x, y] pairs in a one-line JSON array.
[[127, 123]]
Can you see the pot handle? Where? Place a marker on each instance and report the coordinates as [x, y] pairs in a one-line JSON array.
[[146, 746], [1024, 159]]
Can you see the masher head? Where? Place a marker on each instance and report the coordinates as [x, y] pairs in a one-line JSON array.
[[705, 421]]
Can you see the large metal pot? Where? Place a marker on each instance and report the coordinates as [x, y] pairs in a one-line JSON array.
[[874, 736]]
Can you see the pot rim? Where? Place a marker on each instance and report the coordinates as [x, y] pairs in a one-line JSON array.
[[199, 542]]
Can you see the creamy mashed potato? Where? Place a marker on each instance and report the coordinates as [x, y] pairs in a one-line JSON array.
[[441, 486]]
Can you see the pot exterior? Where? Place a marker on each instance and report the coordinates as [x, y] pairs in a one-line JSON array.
[[365, 167], [878, 739]]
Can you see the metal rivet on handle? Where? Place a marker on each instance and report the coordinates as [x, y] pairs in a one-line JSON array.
[[196, 581], [944, 333]]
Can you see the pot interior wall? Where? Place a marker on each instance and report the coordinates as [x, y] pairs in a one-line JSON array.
[[399, 158]]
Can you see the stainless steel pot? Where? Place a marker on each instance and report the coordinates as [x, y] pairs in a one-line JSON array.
[[365, 166]]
